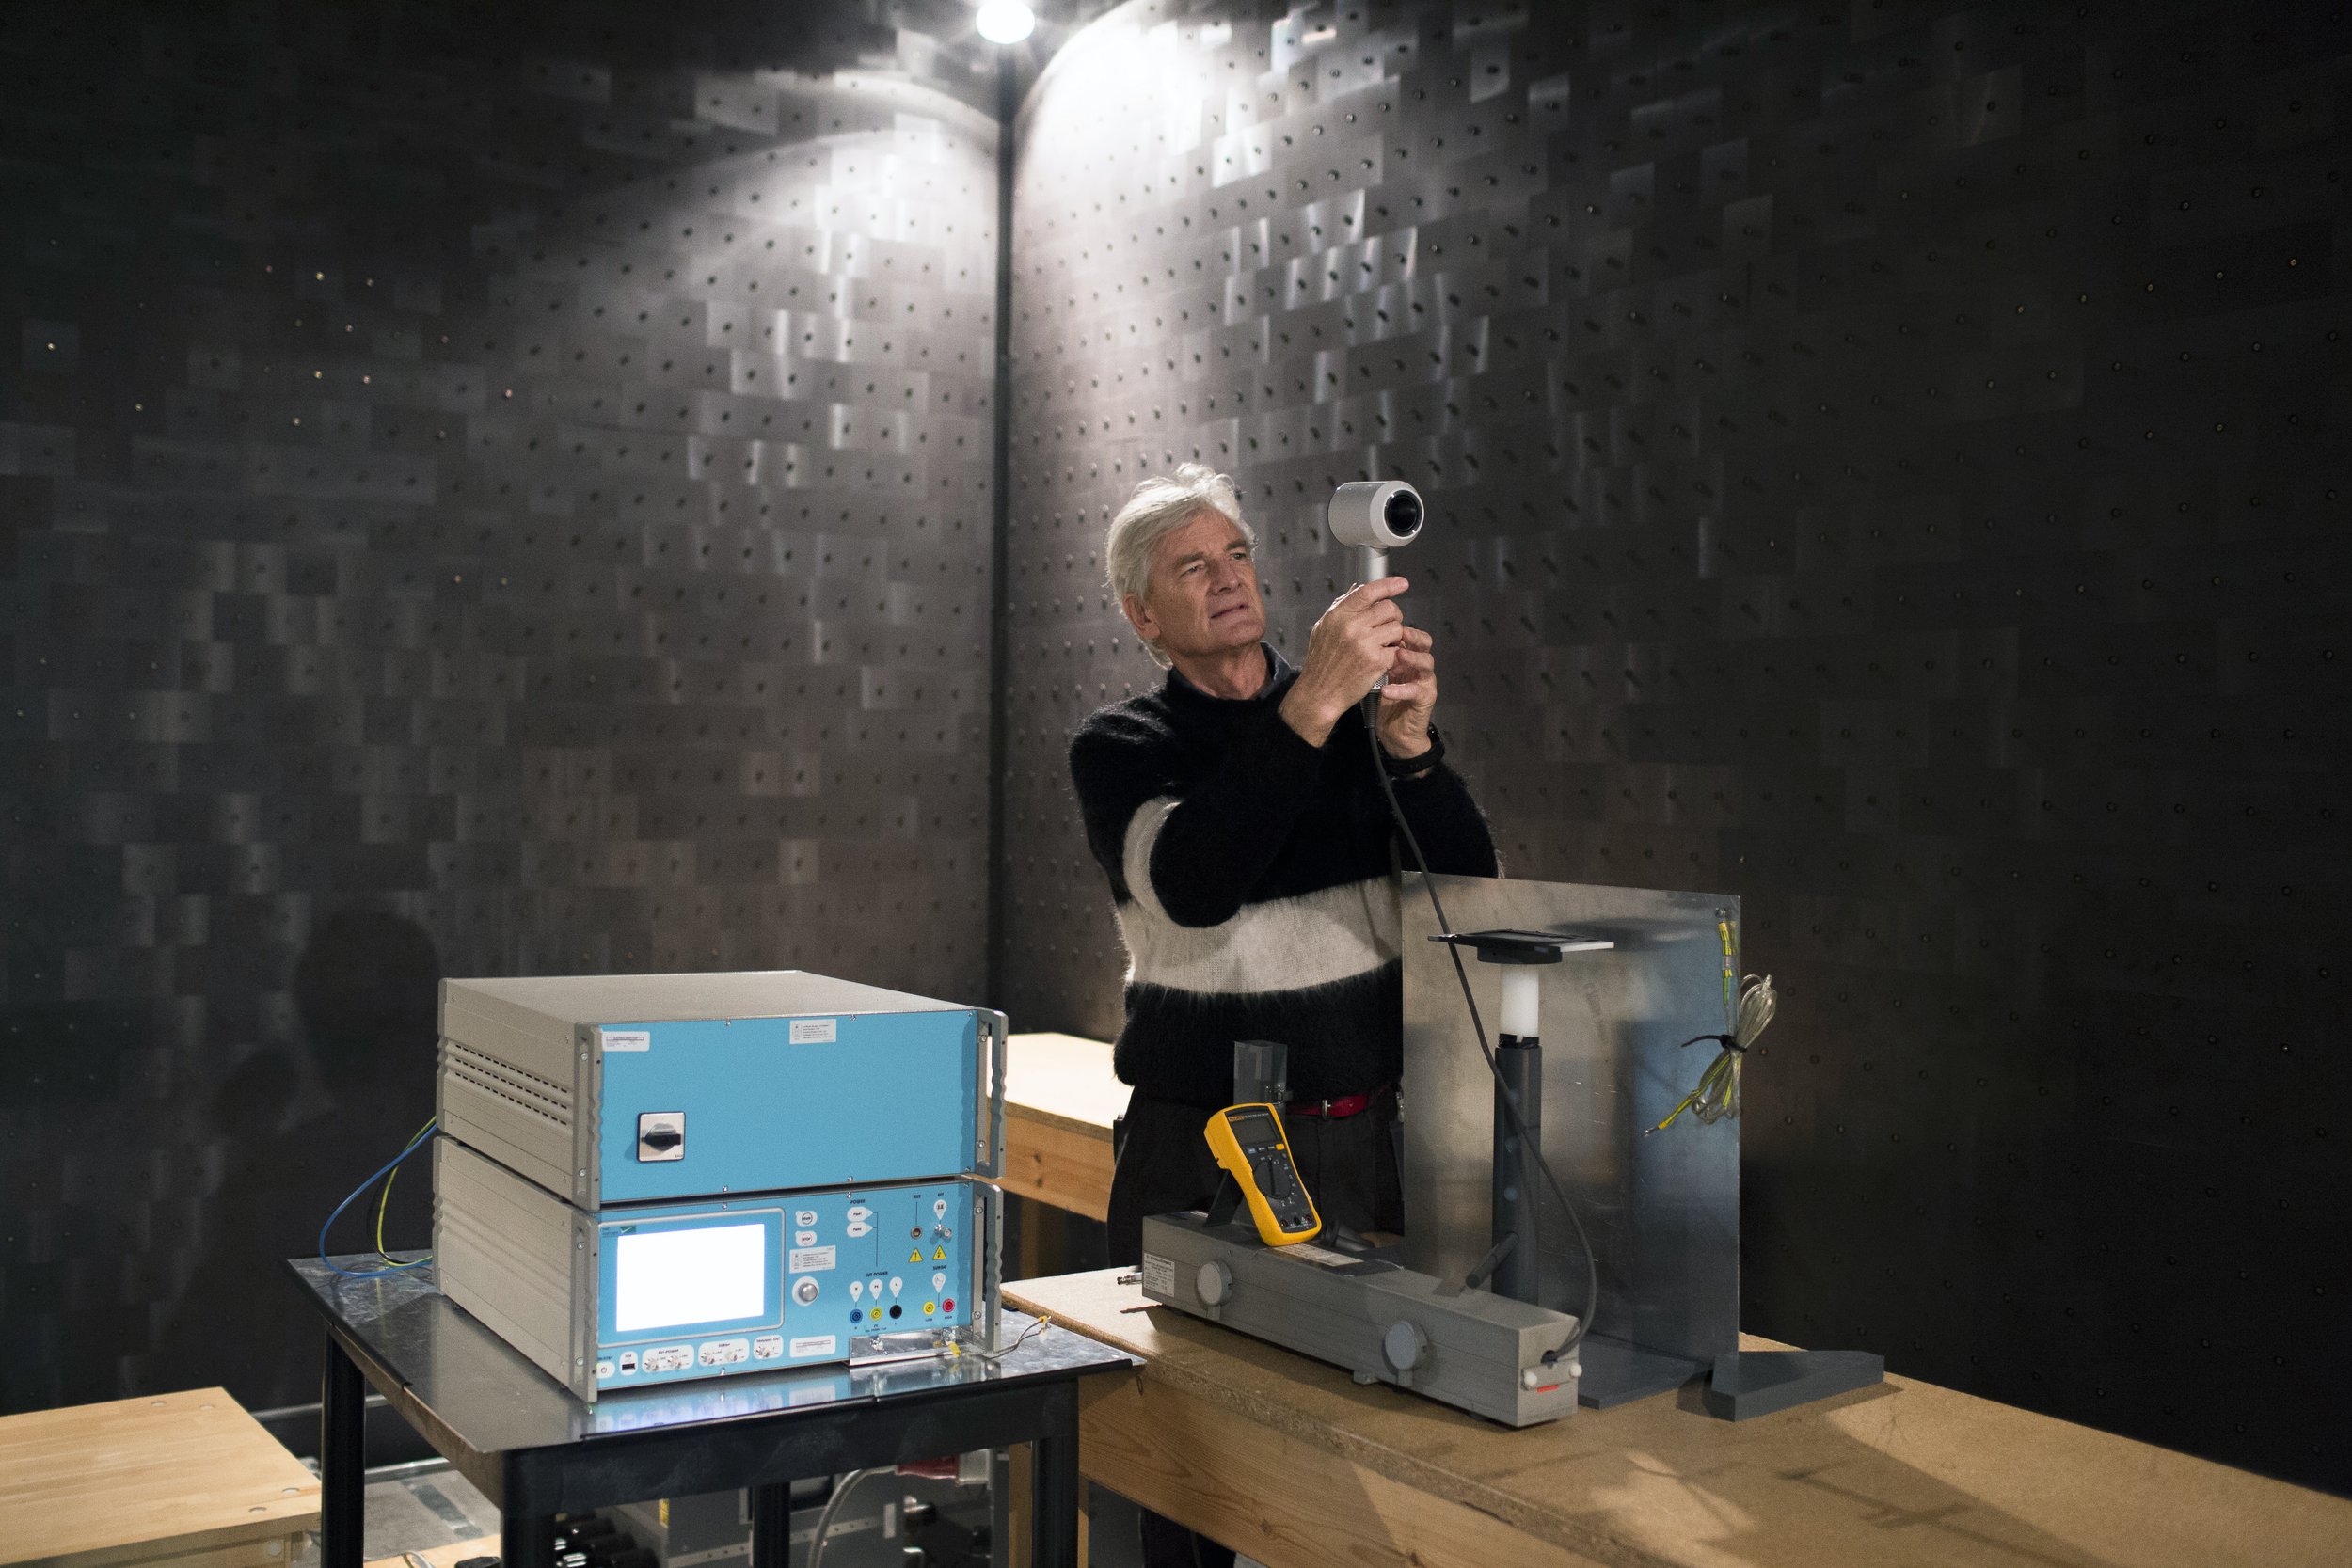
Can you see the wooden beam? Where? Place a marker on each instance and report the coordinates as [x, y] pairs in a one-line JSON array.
[[1049, 1162], [1061, 1099], [1284, 1502]]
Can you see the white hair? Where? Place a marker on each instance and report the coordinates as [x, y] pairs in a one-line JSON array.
[[1159, 506]]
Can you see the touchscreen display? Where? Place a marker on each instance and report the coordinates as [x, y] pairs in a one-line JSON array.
[[709, 1274]]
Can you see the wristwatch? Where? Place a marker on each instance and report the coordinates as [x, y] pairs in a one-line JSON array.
[[1406, 767]]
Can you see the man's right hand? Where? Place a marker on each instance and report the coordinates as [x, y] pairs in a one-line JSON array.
[[1352, 646]]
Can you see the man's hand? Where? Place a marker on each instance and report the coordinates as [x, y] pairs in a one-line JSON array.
[[1358, 639], [1409, 698]]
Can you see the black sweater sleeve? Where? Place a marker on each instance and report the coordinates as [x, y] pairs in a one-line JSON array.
[[1446, 824], [1228, 824]]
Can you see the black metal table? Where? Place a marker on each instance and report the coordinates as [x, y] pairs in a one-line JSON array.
[[536, 1450]]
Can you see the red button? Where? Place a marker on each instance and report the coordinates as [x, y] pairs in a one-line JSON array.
[[949, 1303]]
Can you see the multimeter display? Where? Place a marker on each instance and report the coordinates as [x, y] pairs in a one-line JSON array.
[[1253, 1125], [1248, 1142]]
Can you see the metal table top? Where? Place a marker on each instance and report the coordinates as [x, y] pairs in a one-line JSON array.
[[485, 1394]]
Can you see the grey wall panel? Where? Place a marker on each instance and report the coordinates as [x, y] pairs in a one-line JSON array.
[[480, 493], [1887, 463]]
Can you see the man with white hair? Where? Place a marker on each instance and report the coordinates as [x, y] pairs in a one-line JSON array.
[[1249, 849], [1250, 855]]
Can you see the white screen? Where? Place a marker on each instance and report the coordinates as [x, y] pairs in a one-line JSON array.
[[663, 1278]]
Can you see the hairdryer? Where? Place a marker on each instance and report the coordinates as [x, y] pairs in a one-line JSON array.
[[1375, 515]]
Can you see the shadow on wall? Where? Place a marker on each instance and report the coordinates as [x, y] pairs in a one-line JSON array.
[[295, 1127]]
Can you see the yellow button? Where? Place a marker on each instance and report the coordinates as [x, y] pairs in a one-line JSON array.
[[926, 1308], [877, 1314]]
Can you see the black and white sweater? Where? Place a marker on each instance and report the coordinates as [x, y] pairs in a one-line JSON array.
[[1252, 876]]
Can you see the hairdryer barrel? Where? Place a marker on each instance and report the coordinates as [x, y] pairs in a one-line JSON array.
[[1375, 515]]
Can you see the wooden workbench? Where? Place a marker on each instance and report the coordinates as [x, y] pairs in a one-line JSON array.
[[1289, 1460], [175, 1479], [1061, 1099]]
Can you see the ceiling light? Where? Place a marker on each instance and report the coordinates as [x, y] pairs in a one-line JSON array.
[[1006, 21]]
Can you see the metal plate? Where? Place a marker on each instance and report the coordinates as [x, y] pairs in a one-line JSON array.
[[1662, 1210]]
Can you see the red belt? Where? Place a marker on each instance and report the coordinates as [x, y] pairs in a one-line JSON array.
[[1333, 1110]]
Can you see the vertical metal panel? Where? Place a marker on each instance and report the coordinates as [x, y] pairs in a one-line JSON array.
[[1663, 1210]]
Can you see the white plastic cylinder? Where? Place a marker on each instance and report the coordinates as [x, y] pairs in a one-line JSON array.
[[1521, 991]]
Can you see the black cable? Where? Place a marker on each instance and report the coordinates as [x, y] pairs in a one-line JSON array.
[[1509, 1101]]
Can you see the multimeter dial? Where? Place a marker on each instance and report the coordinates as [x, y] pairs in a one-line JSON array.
[[1248, 1142]]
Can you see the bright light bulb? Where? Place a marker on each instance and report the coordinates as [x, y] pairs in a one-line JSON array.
[[1006, 21]]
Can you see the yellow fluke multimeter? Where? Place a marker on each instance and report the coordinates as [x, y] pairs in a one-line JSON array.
[[1248, 1142]]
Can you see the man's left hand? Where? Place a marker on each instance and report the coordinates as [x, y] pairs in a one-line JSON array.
[[1409, 698]]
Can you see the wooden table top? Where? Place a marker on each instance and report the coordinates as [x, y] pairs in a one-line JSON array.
[[99, 1482], [1064, 1079], [1905, 1474]]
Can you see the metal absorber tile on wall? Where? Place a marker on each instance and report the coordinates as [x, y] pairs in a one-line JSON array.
[[1884, 462], [478, 495]]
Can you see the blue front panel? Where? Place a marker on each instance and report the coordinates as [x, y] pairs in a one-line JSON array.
[[886, 1261], [774, 1103], [836, 1264]]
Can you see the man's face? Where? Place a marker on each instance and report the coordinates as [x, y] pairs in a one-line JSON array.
[[1201, 599]]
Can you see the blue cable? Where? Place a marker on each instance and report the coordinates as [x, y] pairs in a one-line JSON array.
[[414, 1144]]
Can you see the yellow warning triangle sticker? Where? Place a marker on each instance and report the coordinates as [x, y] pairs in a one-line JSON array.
[[939, 1255], [915, 1256]]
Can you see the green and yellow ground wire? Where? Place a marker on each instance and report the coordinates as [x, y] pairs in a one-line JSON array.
[[1745, 1015]]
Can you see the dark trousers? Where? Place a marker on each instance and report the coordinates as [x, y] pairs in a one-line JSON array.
[[1348, 1166]]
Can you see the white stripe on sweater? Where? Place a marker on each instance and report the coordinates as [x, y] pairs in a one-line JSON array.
[[1337, 933]]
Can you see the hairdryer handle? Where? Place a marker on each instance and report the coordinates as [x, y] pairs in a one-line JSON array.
[[1371, 565]]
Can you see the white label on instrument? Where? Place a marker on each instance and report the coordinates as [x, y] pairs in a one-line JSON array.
[[627, 1040], [816, 1259], [1159, 1276], [817, 1344], [816, 1031], [1323, 1255]]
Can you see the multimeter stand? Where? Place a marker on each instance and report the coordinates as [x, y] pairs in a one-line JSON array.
[[1226, 1201]]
